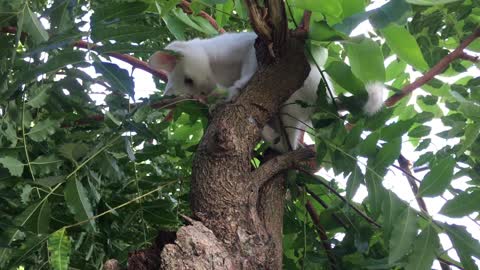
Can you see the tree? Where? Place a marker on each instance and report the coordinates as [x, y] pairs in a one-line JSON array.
[[169, 182]]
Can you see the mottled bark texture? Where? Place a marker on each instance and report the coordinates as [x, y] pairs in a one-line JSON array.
[[242, 209]]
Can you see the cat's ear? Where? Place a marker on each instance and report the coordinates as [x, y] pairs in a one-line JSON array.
[[162, 60]]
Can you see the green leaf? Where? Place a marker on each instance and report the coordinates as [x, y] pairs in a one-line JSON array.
[[33, 26], [59, 246], [424, 144], [161, 212], [470, 109], [164, 7], [471, 134], [420, 131], [205, 25], [353, 182], [175, 26], [430, 2], [186, 20], [107, 13], [464, 244], [388, 153], [39, 96], [403, 235], [73, 151], [366, 51], [36, 218], [133, 33], [376, 191], [343, 76], [14, 166], [117, 77], [53, 64], [394, 11], [438, 179], [392, 208], [404, 45], [61, 19], [329, 8], [44, 165], [321, 31], [223, 11], [462, 204], [396, 130], [424, 249], [368, 147], [43, 129], [78, 202], [395, 69]]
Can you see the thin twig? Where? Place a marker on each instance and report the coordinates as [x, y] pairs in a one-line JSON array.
[[185, 5], [367, 218], [321, 232], [405, 165], [325, 205], [469, 57]]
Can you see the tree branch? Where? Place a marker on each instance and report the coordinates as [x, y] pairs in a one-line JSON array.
[[185, 6], [135, 62], [435, 70], [468, 57], [280, 163], [323, 235], [367, 218], [405, 165], [162, 104], [305, 23], [322, 203]]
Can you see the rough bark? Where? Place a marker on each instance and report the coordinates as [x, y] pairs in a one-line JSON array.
[[241, 208]]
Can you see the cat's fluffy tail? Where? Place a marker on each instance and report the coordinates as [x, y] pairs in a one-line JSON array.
[[375, 97]]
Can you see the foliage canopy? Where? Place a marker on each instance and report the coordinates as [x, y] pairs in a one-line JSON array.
[[83, 181]]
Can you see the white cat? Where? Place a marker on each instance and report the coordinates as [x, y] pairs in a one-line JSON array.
[[229, 61]]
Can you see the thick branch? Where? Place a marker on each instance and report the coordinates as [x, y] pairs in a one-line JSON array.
[[437, 69], [280, 163]]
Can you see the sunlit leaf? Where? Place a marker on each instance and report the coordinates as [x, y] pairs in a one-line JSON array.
[[43, 129], [366, 51], [462, 205], [117, 77], [465, 245], [33, 26], [430, 2], [423, 252], [403, 235], [438, 179], [78, 202], [14, 166], [404, 45], [59, 246]]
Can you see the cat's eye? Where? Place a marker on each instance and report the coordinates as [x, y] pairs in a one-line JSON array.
[[188, 81]]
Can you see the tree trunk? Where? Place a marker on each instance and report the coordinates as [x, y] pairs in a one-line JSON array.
[[240, 210]]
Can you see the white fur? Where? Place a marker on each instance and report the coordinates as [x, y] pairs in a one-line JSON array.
[[229, 61], [375, 97]]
